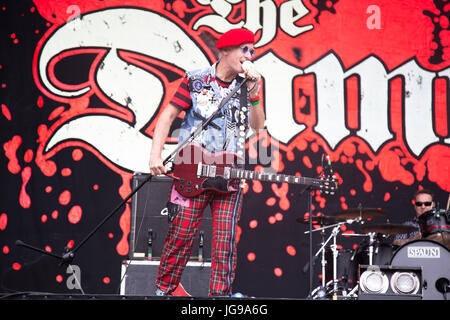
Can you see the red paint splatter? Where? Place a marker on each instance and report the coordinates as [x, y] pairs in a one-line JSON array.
[[281, 192], [279, 216], [44, 218], [40, 102], [66, 172], [47, 167], [251, 256], [10, 148], [28, 157], [271, 201], [64, 197], [56, 113], [75, 214], [24, 198], [77, 154], [307, 161], [367, 185], [387, 196], [3, 221], [59, 278], [5, 249], [391, 168], [278, 272], [438, 165], [272, 220], [16, 266], [48, 189], [48, 248], [95, 187], [106, 280], [291, 250], [124, 221], [6, 112], [70, 244], [238, 233], [257, 186], [253, 224], [55, 214]]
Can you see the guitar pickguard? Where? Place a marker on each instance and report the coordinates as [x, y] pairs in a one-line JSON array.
[[219, 184]]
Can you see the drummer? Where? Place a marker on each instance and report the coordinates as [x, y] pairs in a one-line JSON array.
[[423, 202]]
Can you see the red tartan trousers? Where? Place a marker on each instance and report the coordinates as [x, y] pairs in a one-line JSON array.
[[226, 211]]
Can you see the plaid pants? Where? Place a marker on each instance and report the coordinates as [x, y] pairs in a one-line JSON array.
[[226, 211]]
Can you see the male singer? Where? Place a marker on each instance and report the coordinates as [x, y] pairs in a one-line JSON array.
[[199, 95]]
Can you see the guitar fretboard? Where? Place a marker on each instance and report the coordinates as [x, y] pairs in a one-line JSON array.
[[272, 177]]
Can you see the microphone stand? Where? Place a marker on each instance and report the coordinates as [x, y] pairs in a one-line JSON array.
[[68, 254]]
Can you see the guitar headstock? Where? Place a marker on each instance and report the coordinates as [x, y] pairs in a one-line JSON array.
[[329, 183]]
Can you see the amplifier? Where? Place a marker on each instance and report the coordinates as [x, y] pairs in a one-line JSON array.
[[138, 278], [149, 220]]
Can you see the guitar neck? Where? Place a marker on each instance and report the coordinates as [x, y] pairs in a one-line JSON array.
[[273, 177]]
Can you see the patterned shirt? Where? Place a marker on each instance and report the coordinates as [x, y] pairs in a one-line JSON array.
[[413, 223]]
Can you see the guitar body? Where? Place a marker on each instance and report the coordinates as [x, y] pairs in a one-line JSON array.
[[189, 183]]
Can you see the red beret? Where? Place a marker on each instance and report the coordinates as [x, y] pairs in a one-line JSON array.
[[235, 37]]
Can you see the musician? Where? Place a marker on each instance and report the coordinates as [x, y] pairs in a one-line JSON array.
[[423, 202], [199, 95]]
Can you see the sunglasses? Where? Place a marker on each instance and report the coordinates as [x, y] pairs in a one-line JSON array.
[[419, 204], [247, 49]]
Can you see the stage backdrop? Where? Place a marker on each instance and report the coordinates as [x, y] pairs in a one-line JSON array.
[[83, 82]]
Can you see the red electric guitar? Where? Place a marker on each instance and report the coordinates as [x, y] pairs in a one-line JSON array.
[[197, 170]]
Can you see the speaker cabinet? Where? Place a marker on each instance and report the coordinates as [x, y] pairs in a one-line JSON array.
[[149, 220], [138, 278]]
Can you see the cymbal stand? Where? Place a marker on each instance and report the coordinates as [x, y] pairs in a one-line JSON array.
[[323, 261], [371, 242], [336, 227]]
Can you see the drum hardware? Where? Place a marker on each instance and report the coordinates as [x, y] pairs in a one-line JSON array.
[[334, 233], [321, 220], [361, 213], [388, 228], [435, 225]]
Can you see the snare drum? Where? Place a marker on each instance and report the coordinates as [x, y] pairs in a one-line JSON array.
[[435, 225]]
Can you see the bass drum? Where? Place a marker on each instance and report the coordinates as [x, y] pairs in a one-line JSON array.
[[433, 257]]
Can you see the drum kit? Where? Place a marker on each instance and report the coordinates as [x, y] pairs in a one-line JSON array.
[[340, 267]]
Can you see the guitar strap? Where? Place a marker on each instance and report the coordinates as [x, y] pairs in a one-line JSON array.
[[242, 125]]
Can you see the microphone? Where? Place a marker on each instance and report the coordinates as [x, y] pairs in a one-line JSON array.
[[443, 285], [247, 65]]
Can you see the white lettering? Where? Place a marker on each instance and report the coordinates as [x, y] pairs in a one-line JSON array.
[[424, 252]]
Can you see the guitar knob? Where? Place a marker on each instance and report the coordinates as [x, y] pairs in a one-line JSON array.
[[181, 187], [188, 190], [189, 183]]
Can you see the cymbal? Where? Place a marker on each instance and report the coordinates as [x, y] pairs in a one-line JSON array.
[[388, 228], [363, 213], [322, 220]]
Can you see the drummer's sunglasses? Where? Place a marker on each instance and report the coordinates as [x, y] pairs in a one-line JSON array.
[[419, 204]]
